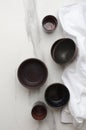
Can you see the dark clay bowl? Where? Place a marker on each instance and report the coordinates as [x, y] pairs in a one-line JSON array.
[[39, 111], [57, 95], [64, 51], [49, 23], [32, 73]]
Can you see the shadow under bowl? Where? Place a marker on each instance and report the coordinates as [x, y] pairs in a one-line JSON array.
[[64, 51], [32, 73], [57, 95]]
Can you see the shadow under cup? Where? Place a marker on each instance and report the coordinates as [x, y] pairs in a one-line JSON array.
[[64, 51]]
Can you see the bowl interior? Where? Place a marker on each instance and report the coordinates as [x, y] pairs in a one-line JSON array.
[[53, 46], [32, 72], [57, 95], [64, 51]]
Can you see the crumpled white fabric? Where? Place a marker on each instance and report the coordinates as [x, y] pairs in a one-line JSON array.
[[73, 21]]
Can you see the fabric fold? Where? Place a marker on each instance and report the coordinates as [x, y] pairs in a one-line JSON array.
[[73, 21]]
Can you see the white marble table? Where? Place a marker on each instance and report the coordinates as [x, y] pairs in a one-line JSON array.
[[16, 101]]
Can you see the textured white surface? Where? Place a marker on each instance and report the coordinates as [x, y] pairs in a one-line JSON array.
[[15, 100]]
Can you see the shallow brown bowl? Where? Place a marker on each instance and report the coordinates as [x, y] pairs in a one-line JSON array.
[[64, 51], [32, 73], [49, 23], [57, 95]]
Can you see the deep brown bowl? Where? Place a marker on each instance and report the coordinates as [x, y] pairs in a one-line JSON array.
[[39, 111], [32, 73], [64, 51], [57, 95], [49, 23]]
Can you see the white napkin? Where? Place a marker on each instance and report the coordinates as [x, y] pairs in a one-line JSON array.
[[73, 21]]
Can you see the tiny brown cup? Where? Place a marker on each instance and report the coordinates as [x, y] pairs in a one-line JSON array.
[[49, 23], [32, 73], [39, 111]]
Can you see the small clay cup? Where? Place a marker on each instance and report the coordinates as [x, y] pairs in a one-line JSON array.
[[49, 23], [39, 111]]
